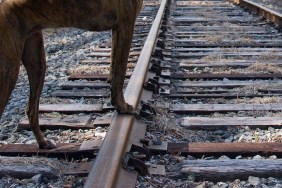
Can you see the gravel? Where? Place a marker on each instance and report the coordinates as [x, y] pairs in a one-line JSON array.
[[251, 182], [165, 127], [64, 48]]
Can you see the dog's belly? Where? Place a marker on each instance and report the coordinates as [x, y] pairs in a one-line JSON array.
[[100, 23]]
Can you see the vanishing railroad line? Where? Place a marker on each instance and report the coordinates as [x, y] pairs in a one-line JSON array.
[[202, 66]]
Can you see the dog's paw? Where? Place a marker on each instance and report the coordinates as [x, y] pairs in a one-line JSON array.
[[47, 144], [126, 109]]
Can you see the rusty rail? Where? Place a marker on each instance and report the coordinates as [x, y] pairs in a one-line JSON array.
[[107, 165], [269, 14]]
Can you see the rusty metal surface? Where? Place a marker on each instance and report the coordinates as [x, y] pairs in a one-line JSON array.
[[107, 165], [269, 14]]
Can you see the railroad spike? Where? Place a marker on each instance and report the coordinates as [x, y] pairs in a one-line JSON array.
[[134, 159], [152, 85], [138, 165], [141, 150], [156, 69], [158, 53], [160, 44], [147, 111]]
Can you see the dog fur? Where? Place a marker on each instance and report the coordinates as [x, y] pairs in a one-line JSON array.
[[21, 40]]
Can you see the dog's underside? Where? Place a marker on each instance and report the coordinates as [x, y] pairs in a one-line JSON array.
[[21, 40]]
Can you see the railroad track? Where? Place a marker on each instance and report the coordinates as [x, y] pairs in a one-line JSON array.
[[214, 70]]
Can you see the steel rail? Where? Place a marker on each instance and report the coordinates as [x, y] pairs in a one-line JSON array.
[[107, 164], [269, 14]]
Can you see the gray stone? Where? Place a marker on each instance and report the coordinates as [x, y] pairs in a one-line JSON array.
[[257, 157], [226, 135], [16, 185], [272, 181], [30, 185], [3, 184], [224, 157], [241, 113], [218, 132], [202, 185], [236, 183], [264, 180], [222, 185], [191, 178], [255, 181], [37, 179], [45, 180], [210, 158], [273, 157], [26, 181]]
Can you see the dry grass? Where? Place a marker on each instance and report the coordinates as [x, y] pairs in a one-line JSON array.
[[166, 127], [269, 56], [86, 69], [243, 40], [257, 67], [252, 89], [263, 67], [222, 38], [200, 3], [214, 39], [55, 100], [228, 38], [35, 161], [259, 100]]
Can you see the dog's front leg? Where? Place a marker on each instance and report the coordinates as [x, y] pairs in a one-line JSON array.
[[122, 35], [33, 59]]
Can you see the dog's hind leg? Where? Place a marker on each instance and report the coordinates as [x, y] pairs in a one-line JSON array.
[[9, 70], [34, 61]]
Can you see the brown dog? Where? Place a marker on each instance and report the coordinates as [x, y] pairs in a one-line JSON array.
[[21, 24]]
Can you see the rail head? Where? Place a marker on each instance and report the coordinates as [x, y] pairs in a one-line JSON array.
[[269, 14], [107, 164]]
